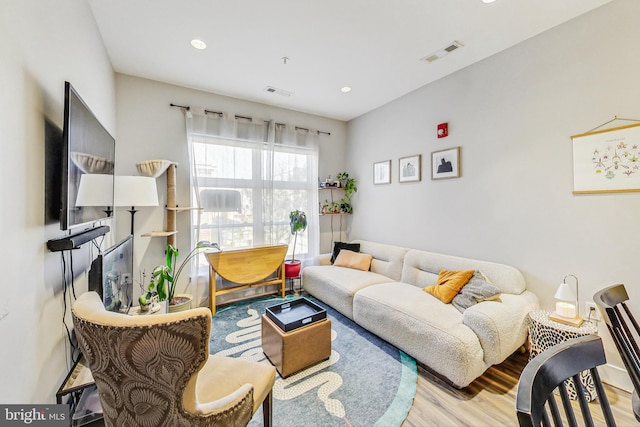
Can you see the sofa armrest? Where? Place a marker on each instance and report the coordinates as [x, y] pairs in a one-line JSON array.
[[501, 325], [322, 259]]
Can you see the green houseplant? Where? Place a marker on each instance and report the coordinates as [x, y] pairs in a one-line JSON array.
[[297, 223], [349, 185], [164, 278]]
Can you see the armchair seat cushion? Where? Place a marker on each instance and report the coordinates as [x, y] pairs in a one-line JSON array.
[[221, 376]]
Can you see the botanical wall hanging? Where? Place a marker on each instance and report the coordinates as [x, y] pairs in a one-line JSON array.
[[607, 161]]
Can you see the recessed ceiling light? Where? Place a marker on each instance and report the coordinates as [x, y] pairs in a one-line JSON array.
[[488, 1], [198, 44], [346, 89]]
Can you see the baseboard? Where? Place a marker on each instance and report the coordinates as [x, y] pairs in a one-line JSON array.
[[616, 377]]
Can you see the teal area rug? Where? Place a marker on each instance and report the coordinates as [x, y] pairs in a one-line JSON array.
[[366, 381]]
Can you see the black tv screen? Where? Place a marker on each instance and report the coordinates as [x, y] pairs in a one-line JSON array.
[[111, 276], [88, 161]]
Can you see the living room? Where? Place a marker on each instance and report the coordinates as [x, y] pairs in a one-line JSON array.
[[512, 114]]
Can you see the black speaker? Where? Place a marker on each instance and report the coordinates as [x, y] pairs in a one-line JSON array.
[[76, 240]]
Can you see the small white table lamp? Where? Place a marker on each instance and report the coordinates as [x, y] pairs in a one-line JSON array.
[[135, 191], [567, 307]]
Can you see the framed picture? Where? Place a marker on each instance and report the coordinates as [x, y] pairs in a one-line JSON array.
[[409, 168], [606, 161], [445, 163], [382, 172]]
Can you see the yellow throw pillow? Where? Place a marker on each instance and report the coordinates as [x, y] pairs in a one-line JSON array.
[[449, 284], [350, 259]]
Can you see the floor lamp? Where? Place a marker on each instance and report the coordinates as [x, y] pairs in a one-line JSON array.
[[135, 191], [96, 190]]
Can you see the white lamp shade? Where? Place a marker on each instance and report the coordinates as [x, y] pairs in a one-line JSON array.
[[135, 191], [95, 190], [565, 293]]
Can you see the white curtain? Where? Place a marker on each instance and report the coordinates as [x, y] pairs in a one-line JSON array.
[[247, 174]]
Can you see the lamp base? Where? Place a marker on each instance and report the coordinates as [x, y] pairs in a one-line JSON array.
[[576, 321]]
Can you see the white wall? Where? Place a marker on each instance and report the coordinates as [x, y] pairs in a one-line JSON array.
[[149, 128], [42, 44], [513, 115]]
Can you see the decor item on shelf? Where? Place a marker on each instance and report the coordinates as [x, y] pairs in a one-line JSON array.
[[567, 308], [349, 186], [329, 208], [135, 191], [164, 278], [298, 223], [153, 168]]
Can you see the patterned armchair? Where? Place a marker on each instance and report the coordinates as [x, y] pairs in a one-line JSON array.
[[156, 370]]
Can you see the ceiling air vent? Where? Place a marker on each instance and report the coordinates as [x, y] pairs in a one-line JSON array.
[[281, 92], [442, 52], [451, 48]]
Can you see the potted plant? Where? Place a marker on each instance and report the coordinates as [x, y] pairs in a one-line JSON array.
[[164, 279], [298, 223], [349, 186]]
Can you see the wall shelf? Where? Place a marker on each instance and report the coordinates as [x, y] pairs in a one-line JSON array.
[[159, 233], [177, 209]]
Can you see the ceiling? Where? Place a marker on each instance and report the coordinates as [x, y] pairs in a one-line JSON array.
[[374, 46]]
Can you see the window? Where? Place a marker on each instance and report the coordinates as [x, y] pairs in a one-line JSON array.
[[247, 189]]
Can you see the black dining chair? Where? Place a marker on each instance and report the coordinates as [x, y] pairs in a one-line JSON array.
[[612, 303], [536, 402]]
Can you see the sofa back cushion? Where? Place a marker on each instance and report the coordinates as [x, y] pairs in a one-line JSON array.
[[422, 268], [387, 259]]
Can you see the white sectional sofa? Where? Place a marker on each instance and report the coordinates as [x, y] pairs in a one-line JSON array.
[[389, 301]]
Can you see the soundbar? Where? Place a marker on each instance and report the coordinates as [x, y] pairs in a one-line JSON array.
[[76, 240]]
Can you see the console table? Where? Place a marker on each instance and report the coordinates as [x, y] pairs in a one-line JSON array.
[[250, 267]]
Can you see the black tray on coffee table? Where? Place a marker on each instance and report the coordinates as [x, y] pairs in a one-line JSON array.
[[295, 314]]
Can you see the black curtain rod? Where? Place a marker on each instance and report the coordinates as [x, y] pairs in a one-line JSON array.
[[186, 107], [220, 114]]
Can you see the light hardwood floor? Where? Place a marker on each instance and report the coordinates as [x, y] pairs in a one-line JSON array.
[[489, 400]]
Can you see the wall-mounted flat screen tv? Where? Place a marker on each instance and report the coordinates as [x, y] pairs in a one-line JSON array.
[[111, 276], [88, 161]]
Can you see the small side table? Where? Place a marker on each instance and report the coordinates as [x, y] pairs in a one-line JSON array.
[[298, 349], [545, 333]]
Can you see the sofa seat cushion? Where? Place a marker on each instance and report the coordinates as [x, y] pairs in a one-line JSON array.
[[336, 286], [424, 327]]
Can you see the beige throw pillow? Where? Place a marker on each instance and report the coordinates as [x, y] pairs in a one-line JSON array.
[[350, 259]]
